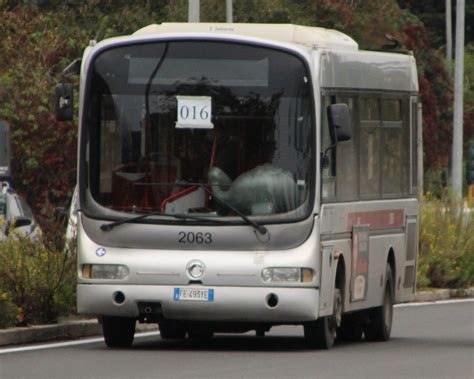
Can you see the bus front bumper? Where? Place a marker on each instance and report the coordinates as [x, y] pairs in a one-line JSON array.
[[252, 304]]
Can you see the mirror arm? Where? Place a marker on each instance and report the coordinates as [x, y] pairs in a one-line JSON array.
[[324, 156], [74, 68]]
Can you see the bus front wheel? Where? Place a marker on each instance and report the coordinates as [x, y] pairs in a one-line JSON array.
[[322, 332], [380, 324], [118, 331]]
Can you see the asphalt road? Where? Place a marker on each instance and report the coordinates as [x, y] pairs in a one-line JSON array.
[[428, 341]]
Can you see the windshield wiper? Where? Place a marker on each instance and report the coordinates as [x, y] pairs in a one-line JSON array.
[[260, 228], [111, 225]]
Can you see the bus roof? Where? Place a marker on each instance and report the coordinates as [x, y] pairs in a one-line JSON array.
[[303, 35]]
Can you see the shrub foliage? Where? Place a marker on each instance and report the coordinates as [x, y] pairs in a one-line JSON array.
[[9, 312], [446, 257], [37, 282]]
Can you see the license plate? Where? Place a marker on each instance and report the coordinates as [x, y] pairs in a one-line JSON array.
[[194, 294]]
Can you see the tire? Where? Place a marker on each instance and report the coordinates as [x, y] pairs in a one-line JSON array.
[[170, 329], [118, 331], [380, 324], [321, 333], [351, 329]]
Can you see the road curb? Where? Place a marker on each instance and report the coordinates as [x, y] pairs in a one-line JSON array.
[[65, 331], [443, 294], [88, 328]]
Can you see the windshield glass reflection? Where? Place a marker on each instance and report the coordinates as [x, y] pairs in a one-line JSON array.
[[170, 121]]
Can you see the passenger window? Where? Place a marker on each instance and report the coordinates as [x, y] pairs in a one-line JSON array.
[[395, 149], [346, 159], [375, 162], [369, 110], [392, 110], [369, 169]]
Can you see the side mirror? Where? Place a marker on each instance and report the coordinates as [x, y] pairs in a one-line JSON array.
[[340, 122], [64, 102], [21, 221]]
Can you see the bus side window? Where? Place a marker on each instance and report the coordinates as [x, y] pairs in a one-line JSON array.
[[395, 147], [328, 178], [346, 159], [369, 148]]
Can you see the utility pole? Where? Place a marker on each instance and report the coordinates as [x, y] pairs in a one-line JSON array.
[[419, 138], [458, 102], [449, 32], [229, 11], [193, 10]]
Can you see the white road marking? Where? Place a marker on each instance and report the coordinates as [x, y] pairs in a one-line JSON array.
[[453, 301], [67, 343], [156, 333]]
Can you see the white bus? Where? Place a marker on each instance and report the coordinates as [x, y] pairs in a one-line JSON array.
[[233, 177]]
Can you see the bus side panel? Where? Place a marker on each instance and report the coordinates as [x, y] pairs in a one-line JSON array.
[[388, 224], [379, 247], [331, 253]]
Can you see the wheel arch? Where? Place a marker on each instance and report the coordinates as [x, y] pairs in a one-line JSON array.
[[340, 280], [392, 263], [341, 273]]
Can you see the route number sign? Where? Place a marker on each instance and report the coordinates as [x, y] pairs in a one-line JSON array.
[[194, 112]]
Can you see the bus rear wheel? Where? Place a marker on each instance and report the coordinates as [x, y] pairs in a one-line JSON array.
[[380, 324], [118, 331], [321, 333]]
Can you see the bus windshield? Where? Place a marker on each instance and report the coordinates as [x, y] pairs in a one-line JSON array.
[[170, 124]]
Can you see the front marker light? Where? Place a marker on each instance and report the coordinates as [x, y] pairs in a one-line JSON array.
[[267, 274], [307, 275], [86, 271], [100, 271], [287, 275]]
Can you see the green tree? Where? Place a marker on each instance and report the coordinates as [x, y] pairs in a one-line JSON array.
[[38, 42]]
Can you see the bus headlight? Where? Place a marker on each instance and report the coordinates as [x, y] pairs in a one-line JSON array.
[[94, 271], [287, 274]]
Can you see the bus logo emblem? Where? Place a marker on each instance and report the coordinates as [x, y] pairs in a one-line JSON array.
[[195, 269], [100, 252]]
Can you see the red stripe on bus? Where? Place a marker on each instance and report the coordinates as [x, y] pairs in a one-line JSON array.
[[392, 218]]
